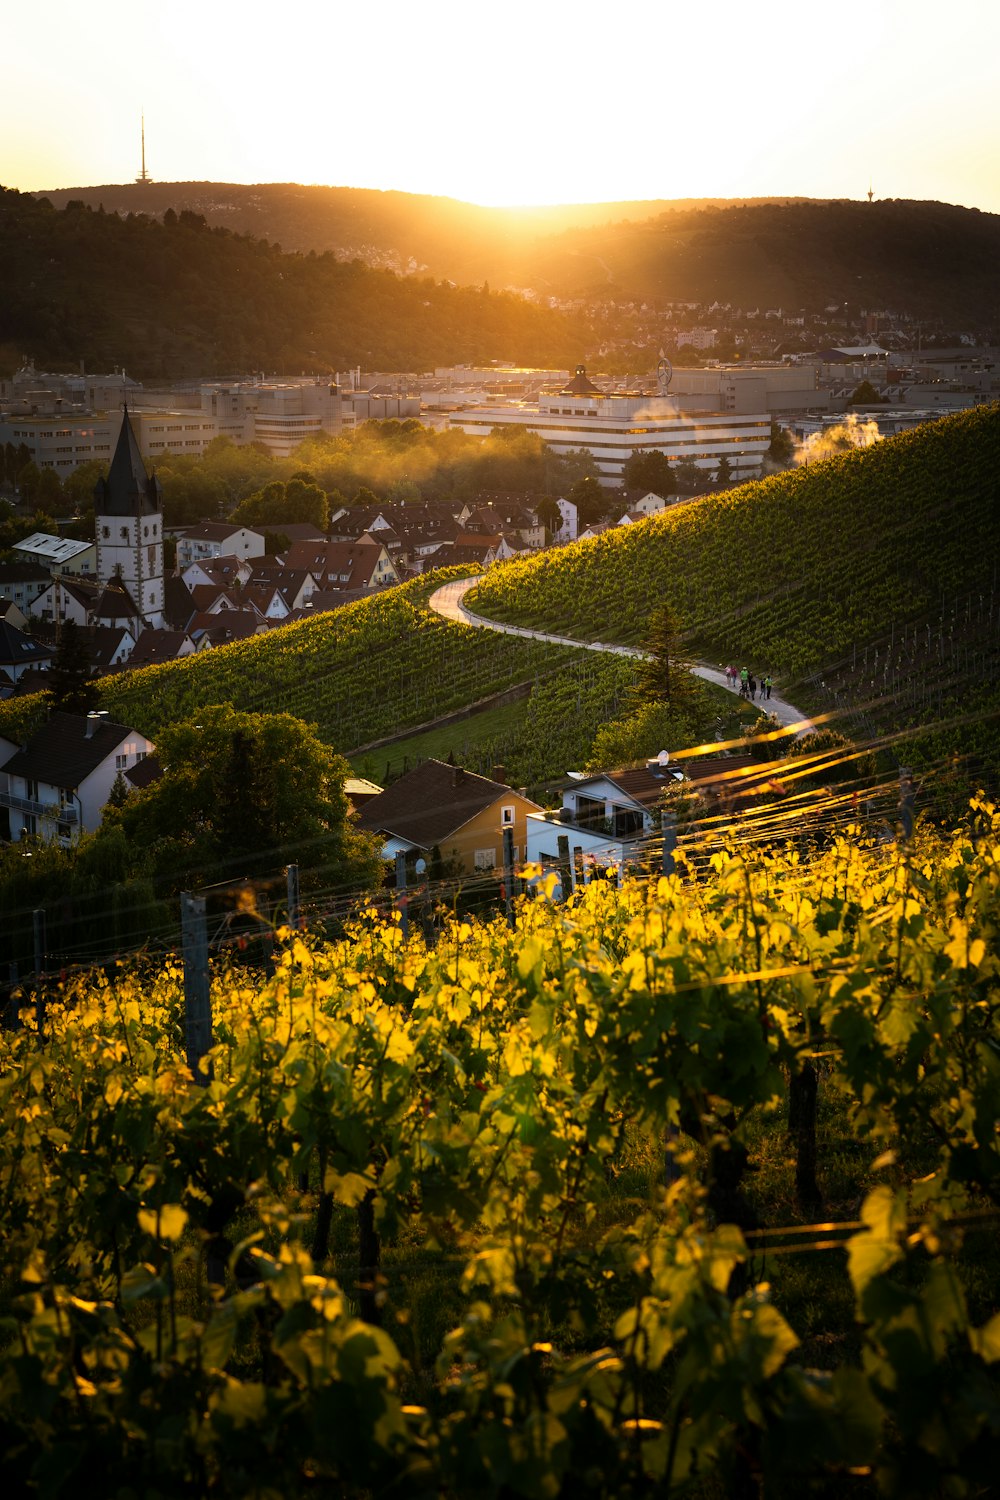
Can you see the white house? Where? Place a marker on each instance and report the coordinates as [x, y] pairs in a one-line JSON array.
[[606, 819], [67, 599], [58, 554], [569, 522], [217, 539], [57, 785]]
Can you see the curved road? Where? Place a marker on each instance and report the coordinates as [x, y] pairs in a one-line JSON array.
[[447, 601]]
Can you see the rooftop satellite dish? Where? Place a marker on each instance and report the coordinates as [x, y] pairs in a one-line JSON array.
[[663, 758], [421, 867]]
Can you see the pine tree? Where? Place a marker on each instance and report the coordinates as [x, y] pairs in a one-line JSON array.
[[70, 683], [664, 676]]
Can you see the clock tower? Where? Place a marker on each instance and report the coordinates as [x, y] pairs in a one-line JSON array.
[[128, 521]]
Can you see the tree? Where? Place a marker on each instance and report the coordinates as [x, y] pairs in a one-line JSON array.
[[280, 504], [79, 486], [548, 513], [664, 676], [724, 472], [689, 476], [650, 472], [245, 794], [70, 683], [865, 395], [782, 445], [590, 499]]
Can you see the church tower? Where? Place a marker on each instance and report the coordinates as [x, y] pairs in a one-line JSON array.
[[128, 521]]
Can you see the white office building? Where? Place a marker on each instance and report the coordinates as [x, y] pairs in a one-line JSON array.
[[614, 427]]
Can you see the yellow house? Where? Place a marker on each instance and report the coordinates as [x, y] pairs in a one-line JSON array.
[[464, 815]]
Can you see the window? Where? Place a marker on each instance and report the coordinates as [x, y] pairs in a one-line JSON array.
[[124, 533], [485, 859], [121, 762], [507, 817]]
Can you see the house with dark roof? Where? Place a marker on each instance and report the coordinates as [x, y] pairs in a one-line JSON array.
[[115, 606], [154, 646], [223, 572], [19, 652], [605, 817], [22, 582], [610, 817], [67, 599], [57, 785], [462, 814], [208, 629]]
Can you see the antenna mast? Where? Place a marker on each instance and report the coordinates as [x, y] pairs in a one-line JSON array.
[[143, 175]]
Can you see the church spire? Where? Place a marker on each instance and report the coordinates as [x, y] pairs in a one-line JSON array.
[[128, 489]]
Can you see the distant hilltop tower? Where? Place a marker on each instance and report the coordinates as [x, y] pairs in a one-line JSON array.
[[870, 193], [144, 175]]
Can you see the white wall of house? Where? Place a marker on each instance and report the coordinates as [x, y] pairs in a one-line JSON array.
[[63, 812]]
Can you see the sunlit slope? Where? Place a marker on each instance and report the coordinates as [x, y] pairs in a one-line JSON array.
[[362, 673], [790, 572]]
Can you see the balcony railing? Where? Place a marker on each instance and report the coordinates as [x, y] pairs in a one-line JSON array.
[[58, 811]]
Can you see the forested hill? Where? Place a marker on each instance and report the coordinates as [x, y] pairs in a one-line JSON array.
[[927, 259], [178, 298]]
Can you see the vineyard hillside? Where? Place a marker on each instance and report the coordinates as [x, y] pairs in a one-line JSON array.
[[360, 674], [879, 565]]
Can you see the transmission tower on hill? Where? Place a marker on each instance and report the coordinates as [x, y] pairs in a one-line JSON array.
[[144, 175]]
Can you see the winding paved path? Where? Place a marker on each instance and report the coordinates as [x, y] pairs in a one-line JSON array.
[[447, 601]]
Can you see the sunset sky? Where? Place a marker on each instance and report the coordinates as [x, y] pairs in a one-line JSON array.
[[516, 103]]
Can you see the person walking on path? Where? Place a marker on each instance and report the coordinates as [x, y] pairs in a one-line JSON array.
[[744, 680], [767, 686], [752, 687]]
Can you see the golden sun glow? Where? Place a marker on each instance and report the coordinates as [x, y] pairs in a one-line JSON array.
[[521, 105]]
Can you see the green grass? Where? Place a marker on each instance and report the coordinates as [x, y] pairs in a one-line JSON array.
[[460, 739]]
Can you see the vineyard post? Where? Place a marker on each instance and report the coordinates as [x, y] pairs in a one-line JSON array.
[[906, 795], [579, 869], [197, 998], [292, 877], [669, 842], [508, 873], [38, 929], [12, 1020], [565, 869], [401, 892]]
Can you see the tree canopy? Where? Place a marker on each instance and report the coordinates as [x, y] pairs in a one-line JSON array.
[[245, 794], [650, 472]]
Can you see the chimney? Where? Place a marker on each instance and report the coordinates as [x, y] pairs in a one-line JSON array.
[[457, 776], [93, 722], [500, 774]]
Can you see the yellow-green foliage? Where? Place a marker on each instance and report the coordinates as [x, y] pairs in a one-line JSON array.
[[481, 1097], [21, 717]]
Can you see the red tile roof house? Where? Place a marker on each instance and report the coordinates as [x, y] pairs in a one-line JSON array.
[[352, 568], [464, 815], [57, 785]]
